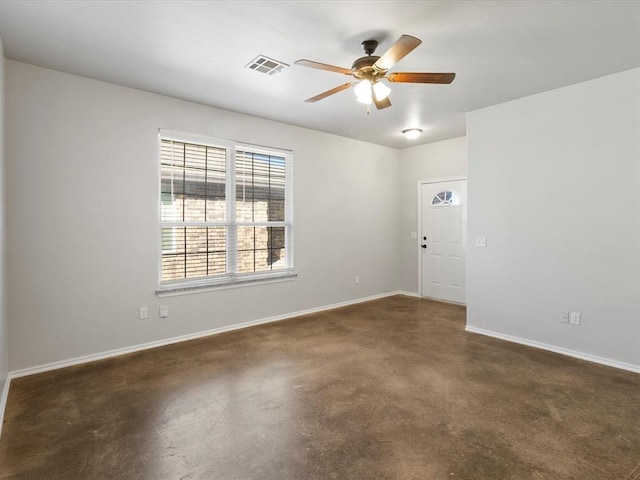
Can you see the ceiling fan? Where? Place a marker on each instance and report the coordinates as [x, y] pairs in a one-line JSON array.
[[368, 72]]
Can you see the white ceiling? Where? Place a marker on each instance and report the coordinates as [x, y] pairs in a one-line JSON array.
[[500, 50]]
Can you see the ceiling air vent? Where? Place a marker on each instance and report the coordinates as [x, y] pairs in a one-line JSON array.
[[266, 65]]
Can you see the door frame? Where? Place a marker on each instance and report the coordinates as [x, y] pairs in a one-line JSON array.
[[418, 247]]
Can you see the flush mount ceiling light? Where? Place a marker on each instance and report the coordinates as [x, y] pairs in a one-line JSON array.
[[412, 133]]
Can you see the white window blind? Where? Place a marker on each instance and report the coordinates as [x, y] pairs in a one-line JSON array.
[[226, 214]]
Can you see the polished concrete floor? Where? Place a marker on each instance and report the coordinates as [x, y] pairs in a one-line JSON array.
[[389, 389]]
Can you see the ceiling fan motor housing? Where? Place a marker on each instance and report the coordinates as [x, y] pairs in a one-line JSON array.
[[363, 66], [369, 46]]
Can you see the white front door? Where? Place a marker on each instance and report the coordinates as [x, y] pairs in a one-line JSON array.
[[443, 240]]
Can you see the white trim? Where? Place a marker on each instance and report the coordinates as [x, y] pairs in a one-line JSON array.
[[419, 245], [552, 348], [226, 282], [3, 400], [226, 224], [443, 179], [231, 245], [440, 300], [195, 138], [409, 294], [289, 210], [183, 338]]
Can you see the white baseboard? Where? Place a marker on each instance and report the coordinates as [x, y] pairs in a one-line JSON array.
[[552, 348], [183, 338], [3, 400], [417, 295], [409, 294]]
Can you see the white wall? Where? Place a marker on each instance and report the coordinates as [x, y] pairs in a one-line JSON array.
[[4, 346], [424, 162], [82, 176], [553, 185]]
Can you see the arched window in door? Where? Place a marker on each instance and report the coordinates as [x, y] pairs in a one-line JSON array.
[[446, 197]]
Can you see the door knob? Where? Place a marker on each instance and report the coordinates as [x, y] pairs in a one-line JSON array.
[[424, 246]]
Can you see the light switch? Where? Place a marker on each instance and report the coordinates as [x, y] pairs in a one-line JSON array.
[[575, 318], [164, 311]]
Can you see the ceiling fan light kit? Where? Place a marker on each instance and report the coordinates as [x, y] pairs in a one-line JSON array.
[[412, 133], [368, 72], [381, 91], [366, 91], [363, 92]]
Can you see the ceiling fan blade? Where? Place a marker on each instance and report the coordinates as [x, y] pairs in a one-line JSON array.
[[328, 92], [380, 104], [417, 77], [323, 66], [403, 46]]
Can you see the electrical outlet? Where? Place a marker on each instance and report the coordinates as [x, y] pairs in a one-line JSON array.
[[481, 241], [164, 311], [575, 318], [564, 317], [144, 313], [357, 279]]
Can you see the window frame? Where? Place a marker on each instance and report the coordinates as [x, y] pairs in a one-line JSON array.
[[453, 200], [231, 278]]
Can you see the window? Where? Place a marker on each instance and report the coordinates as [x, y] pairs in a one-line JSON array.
[[225, 213], [445, 198]]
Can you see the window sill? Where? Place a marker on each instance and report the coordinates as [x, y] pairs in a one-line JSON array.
[[206, 286]]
